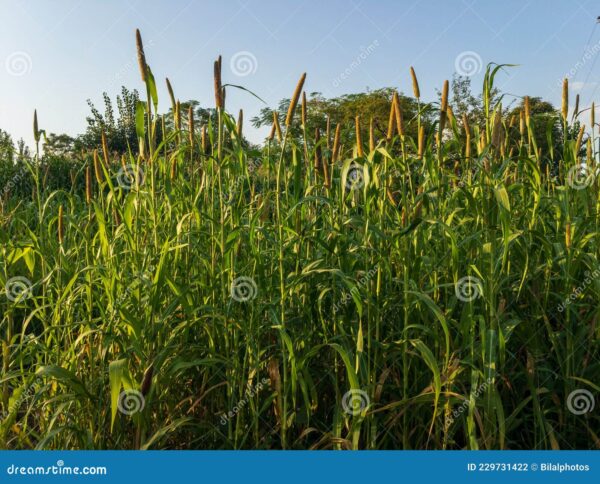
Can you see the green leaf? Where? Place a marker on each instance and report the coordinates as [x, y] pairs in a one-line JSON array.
[[140, 119], [65, 376], [502, 197], [115, 375]]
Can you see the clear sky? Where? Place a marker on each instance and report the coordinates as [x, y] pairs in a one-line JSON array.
[[56, 54]]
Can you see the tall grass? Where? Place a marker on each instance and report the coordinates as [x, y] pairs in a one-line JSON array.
[[333, 298]]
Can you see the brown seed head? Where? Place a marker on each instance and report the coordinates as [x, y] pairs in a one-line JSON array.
[[522, 122], [497, 130], [443, 112], [294, 101], [178, 116], [466, 126], [141, 55], [444, 106], [147, 380], [399, 118], [36, 131], [359, 147], [565, 99], [336, 143], [98, 168], [579, 140], [218, 84], [191, 126], [415, 84], [527, 107], [240, 123], [391, 119], [204, 139], [277, 126], [171, 94], [88, 185]]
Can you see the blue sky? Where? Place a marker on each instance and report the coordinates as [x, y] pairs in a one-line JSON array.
[[55, 55]]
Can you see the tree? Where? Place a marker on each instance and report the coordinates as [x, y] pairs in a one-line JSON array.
[[7, 148], [201, 115], [60, 145], [120, 131], [343, 109], [463, 101], [545, 120]]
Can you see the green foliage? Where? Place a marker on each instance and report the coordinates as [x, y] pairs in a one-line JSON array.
[[231, 298], [342, 110], [119, 127]]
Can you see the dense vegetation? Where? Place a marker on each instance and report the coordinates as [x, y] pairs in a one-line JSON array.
[[431, 283]]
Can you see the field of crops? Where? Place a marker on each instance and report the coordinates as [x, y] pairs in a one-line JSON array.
[[430, 292]]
